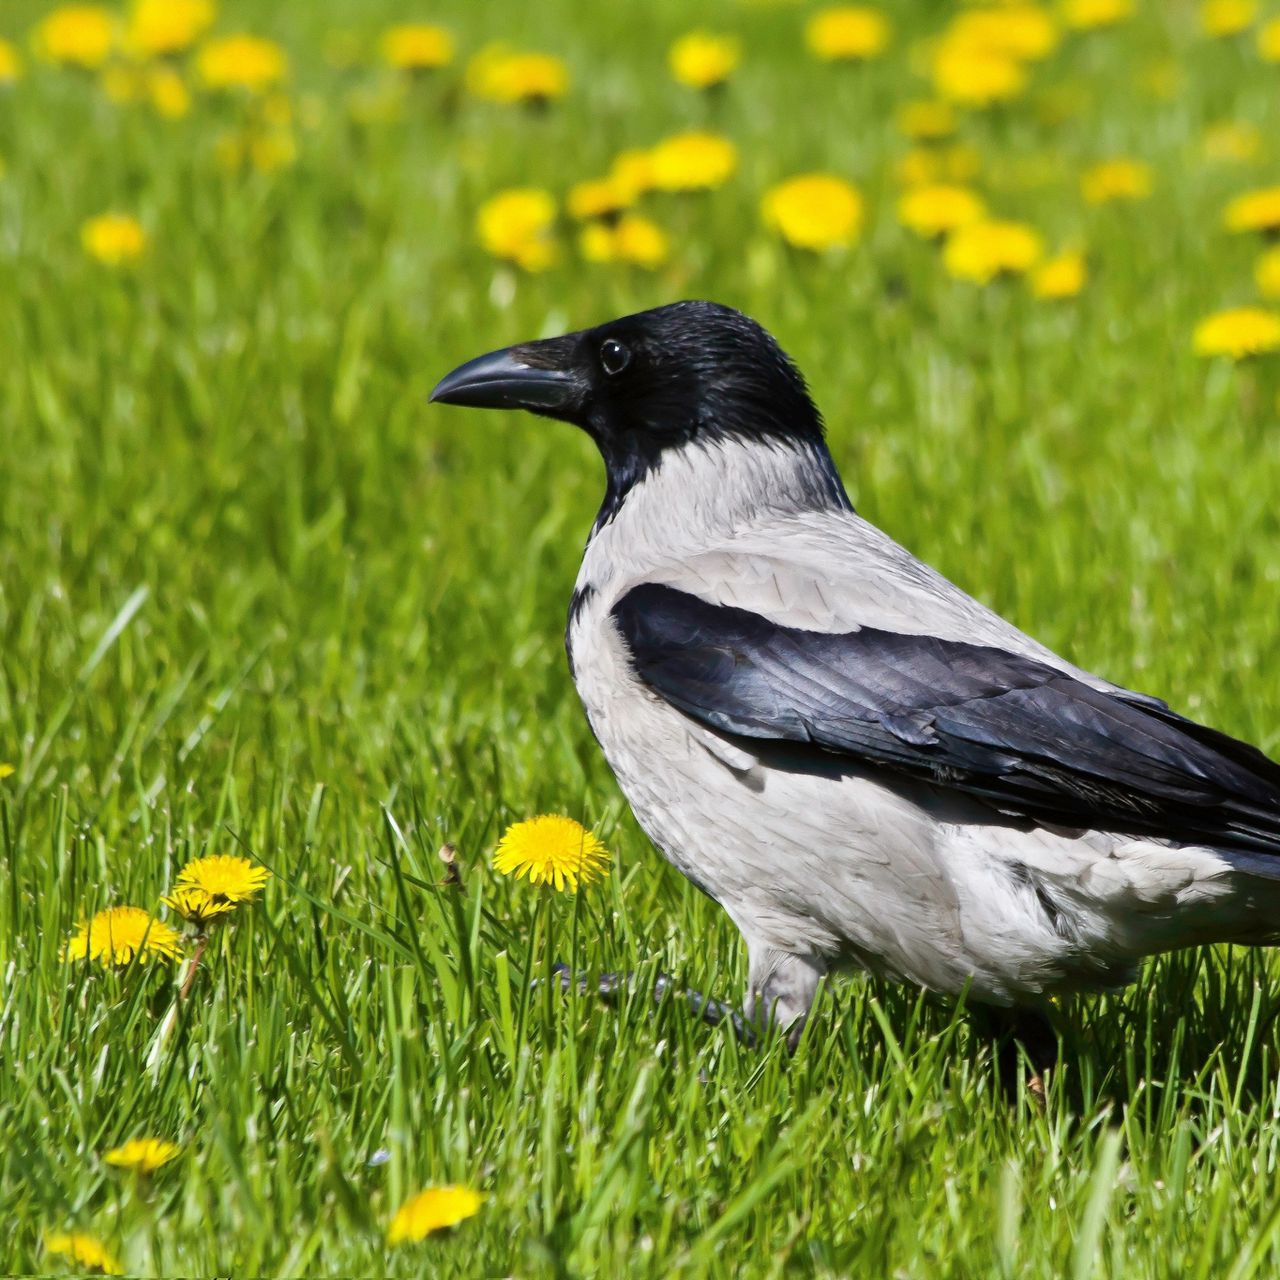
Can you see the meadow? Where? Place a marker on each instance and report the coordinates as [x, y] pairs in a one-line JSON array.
[[258, 599]]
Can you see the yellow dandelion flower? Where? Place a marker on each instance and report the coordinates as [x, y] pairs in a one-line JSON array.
[[517, 225], [115, 239], [6, 770], [1269, 40], [973, 76], [116, 935], [194, 904], [981, 251], [596, 243], [553, 850], [693, 161], [77, 35], [702, 59], [1090, 15], [432, 1210], [501, 74], [1062, 276], [1266, 275], [815, 211], [926, 121], [241, 62], [1227, 17], [936, 210], [1118, 179], [142, 1155], [168, 93], [1240, 332], [416, 47], [84, 1250], [598, 198], [1232, 141], [1254, 211], [633, 238], [157, 28], [224, 877], [10, 63], [847, 33], [957, 164], [1023, 32], [632, 172]]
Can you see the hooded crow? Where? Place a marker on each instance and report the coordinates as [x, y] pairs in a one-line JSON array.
[[864, 766]]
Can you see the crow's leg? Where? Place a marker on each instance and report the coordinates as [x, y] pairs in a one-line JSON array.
[[781, 987], [1024, 1045]]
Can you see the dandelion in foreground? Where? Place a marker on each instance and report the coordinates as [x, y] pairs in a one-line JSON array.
[[118, 934], [416, 47], [77, 35], [142, 1155], [551, 849], [847, 33], [1061, 276], [982, 251], [1118, 179], [1254, 211], [223, 878], [938, 209], [242, 62], [693, 161], [815, 211], [431, 1210], [516, 225], [1237, 333], [703, 60], [84, 1250]]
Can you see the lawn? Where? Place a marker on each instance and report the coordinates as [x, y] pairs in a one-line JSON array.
[[257, 597]]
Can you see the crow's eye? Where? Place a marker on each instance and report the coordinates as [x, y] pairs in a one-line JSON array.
[[614, 357]]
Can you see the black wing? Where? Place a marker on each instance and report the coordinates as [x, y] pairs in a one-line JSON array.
[[1025, 738]]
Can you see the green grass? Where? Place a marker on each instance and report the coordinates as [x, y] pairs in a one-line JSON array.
[[255, 595]]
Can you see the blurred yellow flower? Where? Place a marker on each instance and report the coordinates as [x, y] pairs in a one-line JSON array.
[[926, 121], [6, 771], [981, 251], [816, 211], [935, 210], [847, 33], [703, 60], [116, 239], [80, 35], [517, 224], [693, 161], [1269, 41], [432, 1210], [632, 172], [1089, 15], [168, 93], [500, 74], [84, 1250], [1232, 141], [1023, 32], [116, 935], [1254, 211], [241, 62], [416, 47], [10, 63], [598, 198], [224, 877], [1061, 276], [1266, 273], [550, 849], [195, 904], [1240, 332], [142, 1155], [1117, 179], [959, 163], [159, 27], [973, 76], [1227, 17], [633, 238]]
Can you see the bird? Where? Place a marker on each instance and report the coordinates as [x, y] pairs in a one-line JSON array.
[[865, 767]]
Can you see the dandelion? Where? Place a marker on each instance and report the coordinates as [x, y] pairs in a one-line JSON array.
[[1119, 179], [118, 934], [598, 198], [936, 210], [196, 905], [1090, 15], [815, 211], [224, 877], [1266, 275], [1227, 17], [241, 62], [115, 239], [516, 225], [500, 74], [1269, 41], [168, 93], [1061, 276], [158, 28], [926, 121], [142, 1155], [693, 161], [84, 1250], [432, 1210], [633, 238], [1241, 332], [981, 251], [973, 76], [10, 63], [77, 35], [703, 60], [1254, 211], [6, 770], [1023, 32], [1233, 141], [416, 47], [632, 172], [956, 164], [847, 33], [551, 849]]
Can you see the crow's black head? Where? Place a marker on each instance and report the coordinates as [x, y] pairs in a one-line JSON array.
[[643, 384]]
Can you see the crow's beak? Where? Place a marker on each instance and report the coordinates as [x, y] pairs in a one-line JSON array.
[[502, 380]]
